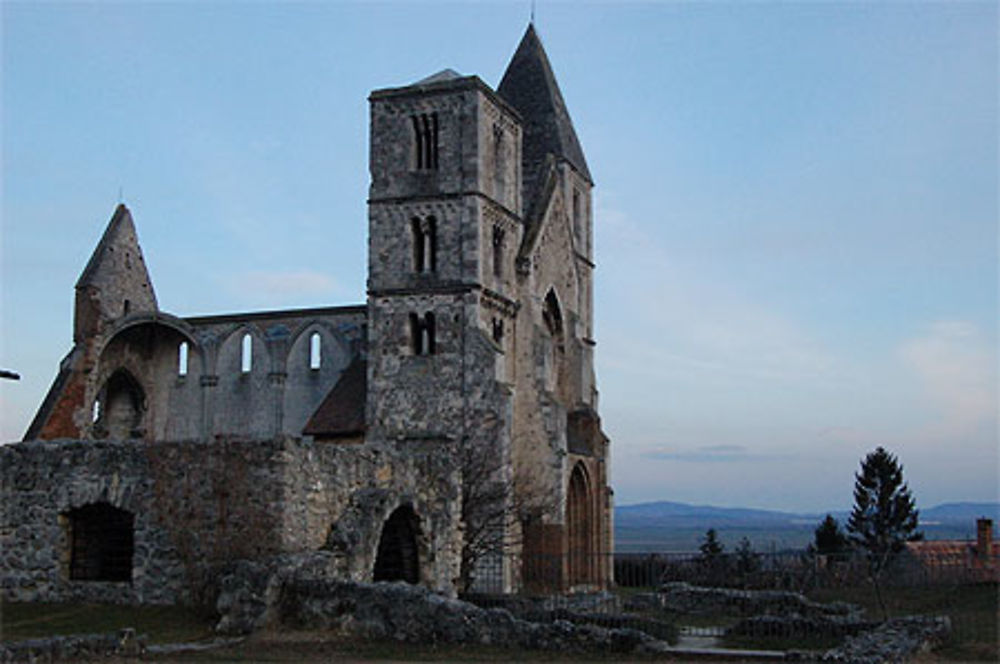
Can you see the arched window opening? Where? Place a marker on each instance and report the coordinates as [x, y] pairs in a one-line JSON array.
[[422, 333], [425, 141], [119, 408], [102, 541], [579, 526], [246, 354], [498, 330], [315, 348], [552, 315], [397, 558], [182, 359], [424, 232], [126, 306], [499, 164], [577, 225]]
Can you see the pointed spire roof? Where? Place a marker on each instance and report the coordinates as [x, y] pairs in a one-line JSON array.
[[121, 224], [530, 86], [118, 258]]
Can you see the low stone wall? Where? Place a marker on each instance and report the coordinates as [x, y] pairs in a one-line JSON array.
[[74, 648], [300, 592], [412, 614], [792, 626], [894, 641], [685, 598]]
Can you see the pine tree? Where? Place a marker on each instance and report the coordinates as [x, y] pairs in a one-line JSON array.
[[829, 539], [885, 515]]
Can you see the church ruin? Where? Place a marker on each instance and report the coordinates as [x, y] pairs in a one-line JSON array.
[[168, 446]]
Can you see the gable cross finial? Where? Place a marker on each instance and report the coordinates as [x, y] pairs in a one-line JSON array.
[[532, 21]]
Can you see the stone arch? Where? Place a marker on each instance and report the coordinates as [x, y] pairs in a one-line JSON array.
[[305, 387], [397, 557], [244, 402], [580, 523], [120, 407], [101, 543]]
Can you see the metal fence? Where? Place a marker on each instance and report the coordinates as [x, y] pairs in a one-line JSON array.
[[801, 571], [797, 570], [546, 587]]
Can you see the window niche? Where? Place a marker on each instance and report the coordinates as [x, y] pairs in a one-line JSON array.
[[425, 141], [183, 351], [246, 354], [424, 234], [422, 341], [101, 541], [119, 407], [315, 351], [498, 245]]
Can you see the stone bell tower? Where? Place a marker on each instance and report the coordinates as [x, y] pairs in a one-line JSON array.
[[443, 214]]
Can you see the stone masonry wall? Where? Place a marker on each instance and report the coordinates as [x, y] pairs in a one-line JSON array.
[[198, 506]]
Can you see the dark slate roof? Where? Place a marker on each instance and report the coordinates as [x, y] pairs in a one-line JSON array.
[[443, 75], [342, 412], [530, 86]]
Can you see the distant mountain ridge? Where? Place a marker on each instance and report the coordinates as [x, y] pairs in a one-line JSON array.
[[672, 526]]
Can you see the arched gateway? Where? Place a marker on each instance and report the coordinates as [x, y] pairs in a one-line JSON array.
[[397, 558], [580, 528]]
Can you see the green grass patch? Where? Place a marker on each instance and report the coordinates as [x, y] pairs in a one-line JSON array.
[[163, 624]]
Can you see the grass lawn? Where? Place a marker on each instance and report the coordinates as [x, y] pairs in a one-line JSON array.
[[163, 624]]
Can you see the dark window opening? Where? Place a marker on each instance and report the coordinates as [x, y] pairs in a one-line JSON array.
[[577, 226], [424, 233], [126, 305], [552, 316], [422, 332], [499, 164], [102, 541], [397, 558], [498, 330], [425, 141], [498, 241]]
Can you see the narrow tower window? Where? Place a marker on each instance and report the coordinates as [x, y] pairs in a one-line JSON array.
[[422, 334], [246, 354], [499, 165], [182, 359], [424, 233], [315, 356], [577, 226], [498, 237], [498, 330], [425, 141]]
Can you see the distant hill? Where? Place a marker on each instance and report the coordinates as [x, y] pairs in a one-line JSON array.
[[668, 526]]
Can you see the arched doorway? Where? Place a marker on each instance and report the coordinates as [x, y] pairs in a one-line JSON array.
[[579, 527], [397, 558]]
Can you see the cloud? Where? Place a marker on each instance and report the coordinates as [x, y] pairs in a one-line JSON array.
[[956, 366], [684, 318], [706, 454]]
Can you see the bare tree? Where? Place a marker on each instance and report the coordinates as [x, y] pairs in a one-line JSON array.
[[495, 504]]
